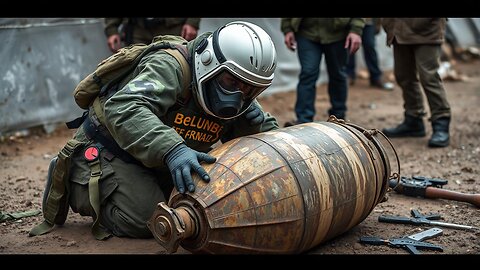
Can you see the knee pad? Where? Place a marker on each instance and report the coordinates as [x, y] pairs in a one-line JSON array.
[[49, 182]]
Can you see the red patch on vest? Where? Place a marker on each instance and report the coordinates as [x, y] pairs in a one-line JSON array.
[[91, 153]]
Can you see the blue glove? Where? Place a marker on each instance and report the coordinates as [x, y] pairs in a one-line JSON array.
[[254, 115], [181, 160]]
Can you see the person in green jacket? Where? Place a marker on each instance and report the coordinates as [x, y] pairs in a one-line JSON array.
[[143, 30], [333, 37], [167, 130]]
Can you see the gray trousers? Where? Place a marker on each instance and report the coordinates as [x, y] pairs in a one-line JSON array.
[[129, 193], [417, 65]]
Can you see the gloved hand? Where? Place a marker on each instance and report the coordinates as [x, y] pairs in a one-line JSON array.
[[254, 115], [181, 160]]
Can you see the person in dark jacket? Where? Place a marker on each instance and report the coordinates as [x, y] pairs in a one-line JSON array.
[[333, 37], [143, 30], [416, 51]]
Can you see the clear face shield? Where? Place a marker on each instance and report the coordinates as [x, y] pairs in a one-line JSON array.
[[227, 95]]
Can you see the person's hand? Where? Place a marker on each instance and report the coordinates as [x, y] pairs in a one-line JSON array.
[[181, 160], [254, 115], [189, 32], [353, 42], [290, 41], [114, 42]]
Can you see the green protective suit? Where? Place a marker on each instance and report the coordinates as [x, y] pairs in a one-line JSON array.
[[146, 120]]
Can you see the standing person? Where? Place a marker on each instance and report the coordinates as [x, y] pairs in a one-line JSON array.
[[161, 130], [416, 51], [142, 30], [370, 55], [334, 37]]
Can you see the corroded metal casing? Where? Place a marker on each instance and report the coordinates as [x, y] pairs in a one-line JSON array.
[[283, 191]]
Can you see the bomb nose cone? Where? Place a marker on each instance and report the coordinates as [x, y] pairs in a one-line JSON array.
[[167, 227]]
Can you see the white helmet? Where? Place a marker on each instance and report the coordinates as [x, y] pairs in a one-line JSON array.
[[232, 67]]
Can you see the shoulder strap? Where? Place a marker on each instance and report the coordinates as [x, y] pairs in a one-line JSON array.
[[169, 48], [181, 54], [178, 51], [135, 63]]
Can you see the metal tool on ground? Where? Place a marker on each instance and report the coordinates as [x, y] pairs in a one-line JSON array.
[[411, 243], [419, 219], [432, 188]]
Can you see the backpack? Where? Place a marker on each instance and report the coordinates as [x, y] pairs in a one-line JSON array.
[[116, 67]]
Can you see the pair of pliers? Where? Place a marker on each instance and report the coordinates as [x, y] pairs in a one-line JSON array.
[[411, 243]]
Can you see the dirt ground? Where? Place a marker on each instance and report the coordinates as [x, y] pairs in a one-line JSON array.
[[24, 161]]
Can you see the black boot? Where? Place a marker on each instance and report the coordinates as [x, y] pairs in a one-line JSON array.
[[410, 127], [440, 136]]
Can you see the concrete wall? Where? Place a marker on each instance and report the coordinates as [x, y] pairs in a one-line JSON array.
[[42, 62]]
